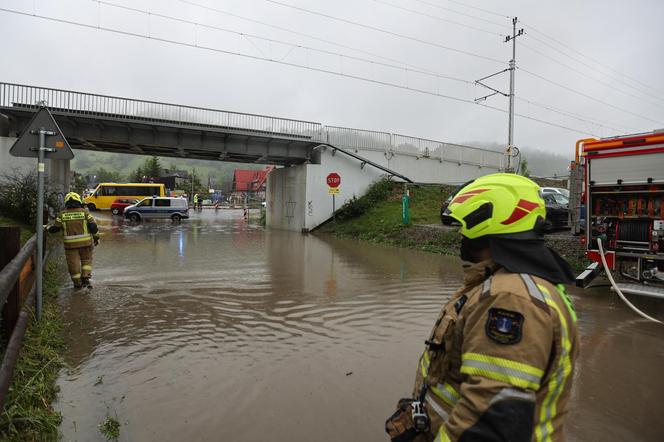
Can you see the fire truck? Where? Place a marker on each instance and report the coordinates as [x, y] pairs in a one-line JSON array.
[[621, 187]]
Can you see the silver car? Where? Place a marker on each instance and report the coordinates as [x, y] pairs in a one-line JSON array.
[[158, 207]]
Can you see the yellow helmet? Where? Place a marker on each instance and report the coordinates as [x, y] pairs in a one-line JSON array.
[[73, 196], [497, 204]]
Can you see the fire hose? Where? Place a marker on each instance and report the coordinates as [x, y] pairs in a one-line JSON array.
[[617, 289]]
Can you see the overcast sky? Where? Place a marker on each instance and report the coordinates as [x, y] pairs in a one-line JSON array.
[[627, 38]]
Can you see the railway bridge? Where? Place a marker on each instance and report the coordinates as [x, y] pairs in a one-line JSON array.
[[297, 197]]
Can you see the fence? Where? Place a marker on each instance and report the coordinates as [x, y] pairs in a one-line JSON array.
[[17, 296], [63, 102]]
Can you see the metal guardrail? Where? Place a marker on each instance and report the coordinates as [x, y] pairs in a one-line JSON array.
[[9, 277], [81, 103], [85, 104]]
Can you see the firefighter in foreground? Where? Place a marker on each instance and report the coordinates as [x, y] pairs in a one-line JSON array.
[[498, 363], [80, 232]]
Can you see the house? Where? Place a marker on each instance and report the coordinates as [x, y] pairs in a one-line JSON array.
[[172, 178], [249, 184]]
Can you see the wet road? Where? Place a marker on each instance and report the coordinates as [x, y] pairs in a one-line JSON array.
[[217, 330]]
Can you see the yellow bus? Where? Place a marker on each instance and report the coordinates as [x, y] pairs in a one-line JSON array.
[[106, 193]]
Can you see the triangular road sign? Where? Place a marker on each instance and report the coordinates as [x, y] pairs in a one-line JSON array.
[[27, 144]]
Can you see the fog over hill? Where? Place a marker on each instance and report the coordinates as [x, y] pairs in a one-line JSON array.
[[540, 163]]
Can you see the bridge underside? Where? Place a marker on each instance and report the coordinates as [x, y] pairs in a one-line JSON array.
[[109, 133]]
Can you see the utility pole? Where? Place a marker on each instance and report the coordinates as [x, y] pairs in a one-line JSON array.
[[512, 68]]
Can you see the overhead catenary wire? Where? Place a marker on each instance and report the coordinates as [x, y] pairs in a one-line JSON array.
[[387, 32], [562, 86], [593, 78], [249, 38], [435, 17], [587, 57], [99, 27], [421, 71], [436, 5], [477, 8]]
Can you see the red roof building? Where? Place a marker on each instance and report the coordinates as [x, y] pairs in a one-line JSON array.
[[250, 180]]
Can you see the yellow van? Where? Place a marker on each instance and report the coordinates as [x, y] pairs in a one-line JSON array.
[[106, 193]]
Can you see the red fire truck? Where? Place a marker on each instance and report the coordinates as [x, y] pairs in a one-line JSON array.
[[623, 194]]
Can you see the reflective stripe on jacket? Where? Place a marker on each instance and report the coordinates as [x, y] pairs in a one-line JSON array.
[[499, 360], [74, 224]]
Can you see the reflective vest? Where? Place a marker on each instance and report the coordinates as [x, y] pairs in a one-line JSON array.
[[74, 225], [499, 359]]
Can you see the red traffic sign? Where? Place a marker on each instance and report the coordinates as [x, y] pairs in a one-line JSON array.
[[333, 180]]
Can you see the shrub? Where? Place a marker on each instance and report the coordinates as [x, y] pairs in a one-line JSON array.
[[18, 196], [379, 191]]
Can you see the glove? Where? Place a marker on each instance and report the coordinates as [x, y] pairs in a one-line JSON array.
[[96, 240]]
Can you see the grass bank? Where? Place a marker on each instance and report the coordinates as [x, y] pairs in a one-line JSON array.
[[377, 217], [28, 413]]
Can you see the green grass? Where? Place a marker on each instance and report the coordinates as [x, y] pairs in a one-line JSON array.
[[28, 413], [110, 428], [377, 217]]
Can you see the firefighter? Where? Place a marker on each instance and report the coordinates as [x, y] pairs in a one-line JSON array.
[[498, 363], [195, 201], [80, 232]]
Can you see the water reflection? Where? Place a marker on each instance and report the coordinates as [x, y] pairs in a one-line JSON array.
[[215, 329]]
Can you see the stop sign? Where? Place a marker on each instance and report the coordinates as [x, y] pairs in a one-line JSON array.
[[333, 180]]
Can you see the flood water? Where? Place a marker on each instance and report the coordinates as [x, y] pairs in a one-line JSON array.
[[215, 329]]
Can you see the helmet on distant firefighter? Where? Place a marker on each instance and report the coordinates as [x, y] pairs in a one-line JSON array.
[[498, 204], [73, 196]]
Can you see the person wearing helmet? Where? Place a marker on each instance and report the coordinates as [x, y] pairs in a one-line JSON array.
[[498, 363], [80, 232]]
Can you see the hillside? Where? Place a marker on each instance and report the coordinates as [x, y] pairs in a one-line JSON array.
[[540, 163], [88, 162]]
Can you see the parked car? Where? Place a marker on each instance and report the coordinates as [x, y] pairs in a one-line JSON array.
[[557, 209], [558, 190], [158, 207], [119, 205], [445, 218]]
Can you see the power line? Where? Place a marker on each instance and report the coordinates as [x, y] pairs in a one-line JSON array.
[[385, 31], [412, 68], [302, 34], [587, 57], [588, 96], [584, 74], [99, 27], [435, 17], [606, 124], [293, 45], [435, 5], [498, 14]]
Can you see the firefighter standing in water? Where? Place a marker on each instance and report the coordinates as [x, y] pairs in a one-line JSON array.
[[79, 234], [498, 363]]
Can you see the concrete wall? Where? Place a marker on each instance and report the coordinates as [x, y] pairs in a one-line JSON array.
[[298, 198], [354, 182], [286, 198]]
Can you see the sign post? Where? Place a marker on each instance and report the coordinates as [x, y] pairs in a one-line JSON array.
[[333, 182], [54, 147], [405, 204]]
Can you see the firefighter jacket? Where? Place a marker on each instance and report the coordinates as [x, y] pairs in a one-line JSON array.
[[77, 225], [498, 363]]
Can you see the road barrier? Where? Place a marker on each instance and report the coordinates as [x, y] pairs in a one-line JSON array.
[[17, 296]]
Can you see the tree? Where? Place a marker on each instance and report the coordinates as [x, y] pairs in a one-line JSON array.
[[78, 183], [523, 167], [137, 175], [108, 176], [152, 168]]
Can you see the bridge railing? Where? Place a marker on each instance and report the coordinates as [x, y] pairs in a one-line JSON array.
[[81, 103]]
